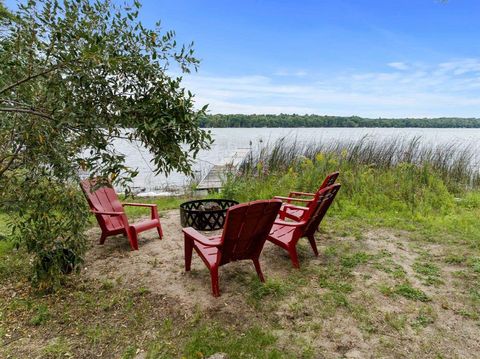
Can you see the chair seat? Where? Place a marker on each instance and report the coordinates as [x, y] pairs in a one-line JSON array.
[[281, 235], [210, 255]]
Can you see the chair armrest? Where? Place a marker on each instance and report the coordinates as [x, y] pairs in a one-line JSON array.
[[289, 224], [301, 194], [108, 213], [200, 238], [290, 199], [292, 206], [139, 204]]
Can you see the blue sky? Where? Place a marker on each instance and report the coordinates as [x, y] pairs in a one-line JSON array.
[[376, 58]]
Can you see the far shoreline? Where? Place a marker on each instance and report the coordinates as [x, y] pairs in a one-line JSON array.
[[320, 121]]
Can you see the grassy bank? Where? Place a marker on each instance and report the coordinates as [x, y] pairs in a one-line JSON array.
[[398, 183]]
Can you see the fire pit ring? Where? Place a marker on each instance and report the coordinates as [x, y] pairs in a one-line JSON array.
[[205, 214]]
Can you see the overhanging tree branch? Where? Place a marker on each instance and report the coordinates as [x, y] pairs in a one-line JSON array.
[[31, 77], [25, 110]]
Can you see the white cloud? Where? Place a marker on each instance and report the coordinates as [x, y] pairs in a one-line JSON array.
[[291, 73], [446, 89], [398, 65]]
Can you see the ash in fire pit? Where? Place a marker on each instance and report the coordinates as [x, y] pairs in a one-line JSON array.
[[209, 207], [205, 214]]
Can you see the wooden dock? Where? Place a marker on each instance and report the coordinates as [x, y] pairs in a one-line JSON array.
[[215, 177]]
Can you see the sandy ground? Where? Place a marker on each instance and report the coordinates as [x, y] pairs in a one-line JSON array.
[[159, 266]]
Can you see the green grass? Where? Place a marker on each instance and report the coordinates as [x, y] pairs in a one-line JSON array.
[[405, 290], [429, 272], [211, 339], [41, 315], [57, 348], [163, 203], [203, 340], [426, 316], [271, 288]]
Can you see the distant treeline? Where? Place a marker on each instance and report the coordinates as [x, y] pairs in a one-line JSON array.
[[283, 120]]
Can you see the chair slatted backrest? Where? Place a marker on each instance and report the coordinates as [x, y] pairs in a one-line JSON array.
[[328, 181], [325, 199], [247, 226], [103, 199]]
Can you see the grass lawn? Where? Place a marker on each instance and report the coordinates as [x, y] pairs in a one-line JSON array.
[[381, 287]]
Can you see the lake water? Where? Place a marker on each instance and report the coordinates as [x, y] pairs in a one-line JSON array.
[[227, 140]]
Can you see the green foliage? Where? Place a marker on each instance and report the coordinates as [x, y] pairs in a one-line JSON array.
[[49, 219], [294, 120], [75, 76]]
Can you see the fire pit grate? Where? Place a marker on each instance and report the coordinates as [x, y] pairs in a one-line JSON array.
[[205, 214]]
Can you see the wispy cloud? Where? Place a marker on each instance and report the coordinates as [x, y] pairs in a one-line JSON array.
[[450, 88], [398, 65], [294, 73]]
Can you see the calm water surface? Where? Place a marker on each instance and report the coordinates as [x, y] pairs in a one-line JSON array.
[[227, 140]]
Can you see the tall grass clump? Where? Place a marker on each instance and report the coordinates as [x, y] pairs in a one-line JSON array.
[[398, 176]]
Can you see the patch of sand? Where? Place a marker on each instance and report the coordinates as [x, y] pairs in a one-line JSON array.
[[158, 265]]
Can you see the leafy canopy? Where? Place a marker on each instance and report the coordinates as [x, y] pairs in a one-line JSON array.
[[74, 76]]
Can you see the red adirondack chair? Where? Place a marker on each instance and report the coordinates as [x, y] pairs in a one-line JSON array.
[[287, 234], [294, 196], [246, 229], [111, 217]]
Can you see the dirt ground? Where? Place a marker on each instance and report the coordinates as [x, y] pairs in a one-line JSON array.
[[365, 313], [159, 266]]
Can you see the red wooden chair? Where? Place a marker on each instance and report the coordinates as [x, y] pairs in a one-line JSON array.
[[295, 214], [287, 234], [246, 229], [111, 217]]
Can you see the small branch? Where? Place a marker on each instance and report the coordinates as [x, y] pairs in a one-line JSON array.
[[9, 102], [28, 78], [14, 155], [25, 110]]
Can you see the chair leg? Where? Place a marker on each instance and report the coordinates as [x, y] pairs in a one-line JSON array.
[[256, 263], [294, 256], [188, 247], [215, 286], [159, 230], [102, 239], [311, 239], [133, 238]]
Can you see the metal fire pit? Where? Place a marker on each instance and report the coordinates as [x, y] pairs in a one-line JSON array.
[[205, 214]]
